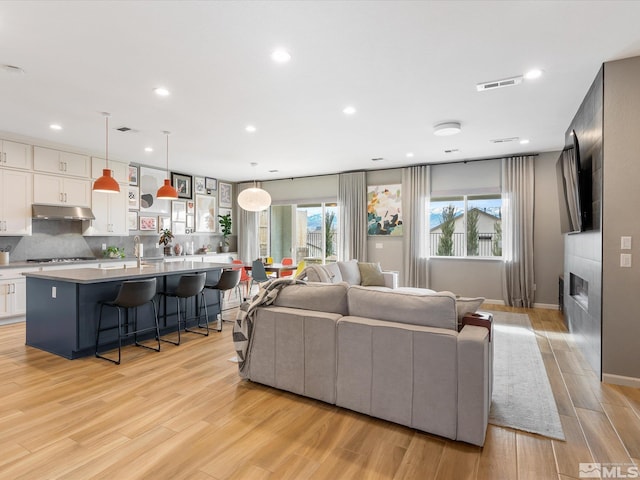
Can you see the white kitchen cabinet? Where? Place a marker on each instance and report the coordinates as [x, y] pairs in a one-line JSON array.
[[16, 155], [110, 210], [58, 190], [13, 296], [56, 161], [15, 202], [119, 170]]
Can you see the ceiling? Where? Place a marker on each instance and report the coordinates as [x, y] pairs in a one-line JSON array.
[[405, 66]]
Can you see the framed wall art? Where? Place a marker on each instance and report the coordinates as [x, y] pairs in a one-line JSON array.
[[164, 223], [199, 185], [151, 179], [206, 219], [224, 190], [178, 228], [384, 216], [190, 207], [182, 183], [190, 222], [178, 210], [133, 175], [148, 224], [132, 220], [210, 184], [134, 198]]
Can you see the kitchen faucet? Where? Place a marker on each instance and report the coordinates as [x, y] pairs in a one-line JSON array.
[[136, 250]]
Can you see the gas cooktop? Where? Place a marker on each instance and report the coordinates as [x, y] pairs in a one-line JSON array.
[[59, 259]]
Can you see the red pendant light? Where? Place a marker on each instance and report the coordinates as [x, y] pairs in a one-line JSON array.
[[106, 183], [166, 191]]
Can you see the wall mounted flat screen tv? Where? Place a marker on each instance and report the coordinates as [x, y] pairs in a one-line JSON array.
[[574, 189]]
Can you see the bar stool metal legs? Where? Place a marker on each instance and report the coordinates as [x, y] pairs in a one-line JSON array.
[[190, 286], [132, 294]]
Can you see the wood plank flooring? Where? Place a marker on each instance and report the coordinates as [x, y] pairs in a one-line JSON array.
[[184, 413]]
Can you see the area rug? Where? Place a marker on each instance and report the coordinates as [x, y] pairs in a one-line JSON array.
[[522, 395]]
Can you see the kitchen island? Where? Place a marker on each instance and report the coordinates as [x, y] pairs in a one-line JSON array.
[[63, 305]]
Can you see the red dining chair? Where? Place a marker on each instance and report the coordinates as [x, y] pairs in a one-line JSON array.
[[245, 278], [286, 261]]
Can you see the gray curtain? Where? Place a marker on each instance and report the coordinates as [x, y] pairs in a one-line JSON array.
[[248, 241], [415, 227], [352, 200], [517, 230]]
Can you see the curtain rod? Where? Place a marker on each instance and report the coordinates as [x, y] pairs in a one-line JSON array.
[[398, 167]]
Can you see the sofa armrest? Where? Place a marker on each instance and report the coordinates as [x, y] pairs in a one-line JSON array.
[[475, 377], [390, 279]]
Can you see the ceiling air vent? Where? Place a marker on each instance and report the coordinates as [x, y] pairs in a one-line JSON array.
[[504, 140], [452, 150], [506, 82], [377, 159], [126, 129]]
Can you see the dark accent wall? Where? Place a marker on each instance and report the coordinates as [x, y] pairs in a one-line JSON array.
[[583, 251]]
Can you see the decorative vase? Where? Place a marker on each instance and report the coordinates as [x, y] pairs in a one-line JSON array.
[[177, 249], [225, 248], [167, 250]]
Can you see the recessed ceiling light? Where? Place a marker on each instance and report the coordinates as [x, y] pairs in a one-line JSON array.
[[524, 141], [161, 91], [349, 110], [446, 129], [533, 74], [280, 56], [148, 149], [409, 154], [55, 126], [250, 128]]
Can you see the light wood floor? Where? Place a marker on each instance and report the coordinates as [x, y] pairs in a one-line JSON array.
[[184, 413]]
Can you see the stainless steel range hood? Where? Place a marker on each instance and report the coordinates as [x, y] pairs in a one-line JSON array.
[[59, 212]]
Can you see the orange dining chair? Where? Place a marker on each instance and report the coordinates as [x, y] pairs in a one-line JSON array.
[[245, 278], [286, 261]]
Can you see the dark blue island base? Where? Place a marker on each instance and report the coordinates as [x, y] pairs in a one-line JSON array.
[[63, 306]]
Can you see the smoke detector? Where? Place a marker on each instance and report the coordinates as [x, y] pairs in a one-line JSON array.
[[505, 82], [446, 128]]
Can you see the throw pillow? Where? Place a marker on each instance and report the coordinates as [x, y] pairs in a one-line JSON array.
[[334, 272], [371, 275], [467, 305], [350, 272]]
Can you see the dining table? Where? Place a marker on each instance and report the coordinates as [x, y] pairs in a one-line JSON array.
[[277, 268]]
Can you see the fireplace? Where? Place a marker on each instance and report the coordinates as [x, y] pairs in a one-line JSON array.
[[579, 290]]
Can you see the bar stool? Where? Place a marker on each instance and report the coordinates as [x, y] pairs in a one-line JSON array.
[[132, 294], [190, 285], [229, 279]]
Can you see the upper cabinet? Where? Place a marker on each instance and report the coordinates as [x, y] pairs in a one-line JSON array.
[[15, 155], [119, 170], [64, 163], [15, 202], [59, 190]]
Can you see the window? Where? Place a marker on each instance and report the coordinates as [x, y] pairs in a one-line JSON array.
[[465, 226], [305, 232]]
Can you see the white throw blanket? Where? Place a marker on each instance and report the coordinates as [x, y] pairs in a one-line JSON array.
[[243, 326]]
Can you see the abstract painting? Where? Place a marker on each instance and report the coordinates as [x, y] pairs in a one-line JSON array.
[[384, 216]]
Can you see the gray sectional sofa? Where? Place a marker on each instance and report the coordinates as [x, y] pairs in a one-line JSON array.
[[386, 353]]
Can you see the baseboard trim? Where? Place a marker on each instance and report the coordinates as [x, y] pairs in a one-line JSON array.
[[547, 306], [494, 302], [621, 380]]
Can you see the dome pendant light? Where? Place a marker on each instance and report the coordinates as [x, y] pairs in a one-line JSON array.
[[166, 191], [254, 199], [106, 183]]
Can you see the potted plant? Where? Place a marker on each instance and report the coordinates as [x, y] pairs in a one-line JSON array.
[[225, 226], [165, 239], [113, 252]]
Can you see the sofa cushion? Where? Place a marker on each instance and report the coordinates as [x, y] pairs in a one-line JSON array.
[[371, 274], [316, 273], [323, 297], [431, 310], [333, 270], [466, 305], [350, 272]]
